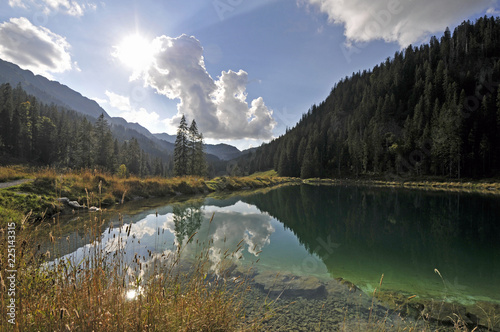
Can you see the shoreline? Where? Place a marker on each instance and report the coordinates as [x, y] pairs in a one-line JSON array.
[[37, 194], [469, 186]]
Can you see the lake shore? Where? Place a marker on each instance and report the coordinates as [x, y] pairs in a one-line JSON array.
[[489, 186], [40, 194], [37, 193]]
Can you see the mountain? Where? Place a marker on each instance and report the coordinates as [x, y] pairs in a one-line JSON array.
[[431, 110], [52, 92], [222, 151], [48, 92], [166, 137]]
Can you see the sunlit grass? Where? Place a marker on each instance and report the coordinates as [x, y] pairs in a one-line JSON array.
[[101, 189], [15, 172]]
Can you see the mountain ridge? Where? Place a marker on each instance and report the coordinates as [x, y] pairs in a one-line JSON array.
[[53, 92]]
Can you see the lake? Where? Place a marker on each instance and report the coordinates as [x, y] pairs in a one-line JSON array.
[[439, 246]]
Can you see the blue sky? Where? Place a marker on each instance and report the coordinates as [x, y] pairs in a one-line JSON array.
[[245, 70]]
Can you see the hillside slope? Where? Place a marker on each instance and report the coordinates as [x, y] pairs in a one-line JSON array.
[[430, 110]]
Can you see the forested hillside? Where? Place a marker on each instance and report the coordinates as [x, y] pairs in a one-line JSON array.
[[429, 110], [41, 134]]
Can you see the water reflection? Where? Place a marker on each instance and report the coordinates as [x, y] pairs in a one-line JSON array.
[[354, 233], [404, 235]]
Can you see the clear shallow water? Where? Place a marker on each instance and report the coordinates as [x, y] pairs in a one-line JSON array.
[[354, 233]]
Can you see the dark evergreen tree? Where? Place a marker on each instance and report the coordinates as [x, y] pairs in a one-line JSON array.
[[181, 151], [104, 144], [192, 138]]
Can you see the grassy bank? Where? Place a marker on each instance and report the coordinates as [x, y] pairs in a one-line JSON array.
[[91, 188], [489, 186]]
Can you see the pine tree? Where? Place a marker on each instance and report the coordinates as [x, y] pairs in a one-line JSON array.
[[6, 110], [199, 156], [104, 143], [307, 169], [134, 157], [181, 149], [85, 144], [192, 145]]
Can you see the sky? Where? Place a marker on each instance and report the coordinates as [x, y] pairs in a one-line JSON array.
[[245, 70]]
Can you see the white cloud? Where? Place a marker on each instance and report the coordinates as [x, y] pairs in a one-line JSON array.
[[219, 106], [68, 7], [34, 48], [100, 101], [401, 21], [119, 102], [142, 116], [17, 3], [493, 11]]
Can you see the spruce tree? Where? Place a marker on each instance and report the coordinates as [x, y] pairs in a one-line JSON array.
[[192, 145], [104, 143], [307, 169], [181, 149], [199, 156]]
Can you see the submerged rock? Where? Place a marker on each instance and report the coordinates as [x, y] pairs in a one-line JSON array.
[[446, 313], [352, 287], [288, 285], [406, 305], [485, 314]]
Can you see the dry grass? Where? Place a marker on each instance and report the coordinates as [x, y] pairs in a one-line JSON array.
[[11, 173], [94, 188], [94, 294]]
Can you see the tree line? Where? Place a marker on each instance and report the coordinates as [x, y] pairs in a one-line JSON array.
[[39, 134], [430, 110]]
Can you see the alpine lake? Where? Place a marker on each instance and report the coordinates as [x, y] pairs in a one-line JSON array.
[[350, 258]]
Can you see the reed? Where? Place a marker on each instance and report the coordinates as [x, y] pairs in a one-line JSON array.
[[104, 290]]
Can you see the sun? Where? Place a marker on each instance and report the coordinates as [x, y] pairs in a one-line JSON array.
[[135, 51]]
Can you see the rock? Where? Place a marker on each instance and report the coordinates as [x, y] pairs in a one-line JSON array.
[[352, 287], [407, 306], [446, 313], [75, 205], [64, 200], [485, 314], [288, 285]]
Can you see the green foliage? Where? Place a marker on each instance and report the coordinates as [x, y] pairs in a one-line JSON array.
[[122, 171]]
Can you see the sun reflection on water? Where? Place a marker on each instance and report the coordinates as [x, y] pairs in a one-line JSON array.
[[133, 293]]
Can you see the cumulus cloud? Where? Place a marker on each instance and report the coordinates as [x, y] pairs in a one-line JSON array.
[[68, 7], [220, 105], [34, 48], [401, 21]]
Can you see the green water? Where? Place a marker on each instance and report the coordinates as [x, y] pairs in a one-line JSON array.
[[355, 233], [361, 233]]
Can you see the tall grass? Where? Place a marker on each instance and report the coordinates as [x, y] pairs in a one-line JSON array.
[[102, 290], [101, 189]]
